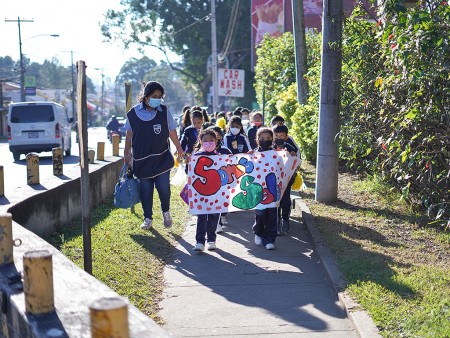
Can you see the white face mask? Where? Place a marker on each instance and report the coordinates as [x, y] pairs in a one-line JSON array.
[[235, 131]]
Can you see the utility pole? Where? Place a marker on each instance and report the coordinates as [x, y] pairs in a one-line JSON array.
[[22, 68], [329, 106], [215, 101], [72, 70], [298, 20]]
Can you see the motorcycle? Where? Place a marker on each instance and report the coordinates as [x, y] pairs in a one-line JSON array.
[[113, 132]]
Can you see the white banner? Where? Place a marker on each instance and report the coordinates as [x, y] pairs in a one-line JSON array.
[[231, 82], [225, 183]]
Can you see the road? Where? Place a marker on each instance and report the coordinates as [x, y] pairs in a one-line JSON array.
[[15, 173]]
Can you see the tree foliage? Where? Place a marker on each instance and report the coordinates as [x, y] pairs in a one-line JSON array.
[[184, 28]]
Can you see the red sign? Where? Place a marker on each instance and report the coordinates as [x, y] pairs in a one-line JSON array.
[[231, 82]]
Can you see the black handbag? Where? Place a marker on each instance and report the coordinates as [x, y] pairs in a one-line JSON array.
[[126, 192]]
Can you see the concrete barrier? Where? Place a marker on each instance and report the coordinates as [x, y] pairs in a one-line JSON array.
[[42, 212]]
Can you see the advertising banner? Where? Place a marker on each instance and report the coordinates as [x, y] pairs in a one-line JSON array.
[[225, 183]]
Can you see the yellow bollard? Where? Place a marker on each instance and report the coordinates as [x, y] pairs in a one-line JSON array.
[[2, 181], [115, 144], [91, 156], [6, 241], [109, 318], [101, 151], [32, 168], [38, 282], [57, 156]]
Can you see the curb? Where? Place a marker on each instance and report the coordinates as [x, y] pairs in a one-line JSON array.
[[360, 319]]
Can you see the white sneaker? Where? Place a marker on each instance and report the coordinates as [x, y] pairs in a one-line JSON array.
[[147, 224], [167, 219], [223, 219], [199, 247], [212, 246], [219, 229], [258, 240], [270, 246]]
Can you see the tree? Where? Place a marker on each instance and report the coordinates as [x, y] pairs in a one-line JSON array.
[[134, 71], [183, 28]]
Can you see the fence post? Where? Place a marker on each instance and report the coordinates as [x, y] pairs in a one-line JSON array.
[[101, 151], [109, 318], [57, 156], [32, 168], [115, 144], [91, 156], [2, 181], [38, 282], [6, 241]]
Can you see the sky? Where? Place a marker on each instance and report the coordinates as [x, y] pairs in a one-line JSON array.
[[78, 25]]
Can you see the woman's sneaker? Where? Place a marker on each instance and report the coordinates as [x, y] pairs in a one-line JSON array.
[[199, 247], [147, 224], [167, 219]]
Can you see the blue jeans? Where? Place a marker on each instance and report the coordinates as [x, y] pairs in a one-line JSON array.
[[206, 227], [147, 186]]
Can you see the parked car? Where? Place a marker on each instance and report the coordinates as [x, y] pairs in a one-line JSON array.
[[37, 127]]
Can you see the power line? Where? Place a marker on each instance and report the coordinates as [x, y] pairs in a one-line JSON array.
[[206, 17], [231, 30]]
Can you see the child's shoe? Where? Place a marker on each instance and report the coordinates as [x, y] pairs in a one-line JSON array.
[[270, 246], [199, 247], [212, 246], [258, 240]]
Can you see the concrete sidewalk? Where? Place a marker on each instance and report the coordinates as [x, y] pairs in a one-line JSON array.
[[243, 290]]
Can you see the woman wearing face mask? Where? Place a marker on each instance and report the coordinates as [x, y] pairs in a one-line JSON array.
[[235, 138], [149, 126]]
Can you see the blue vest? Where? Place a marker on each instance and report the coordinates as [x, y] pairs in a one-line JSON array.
[[150, 144]]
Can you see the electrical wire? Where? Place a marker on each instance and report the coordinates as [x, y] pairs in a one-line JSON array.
[[231, 31]]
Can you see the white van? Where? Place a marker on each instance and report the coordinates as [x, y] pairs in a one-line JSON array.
[[38, 126]]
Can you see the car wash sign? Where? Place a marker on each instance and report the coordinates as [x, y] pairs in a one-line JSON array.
[[231, 82]]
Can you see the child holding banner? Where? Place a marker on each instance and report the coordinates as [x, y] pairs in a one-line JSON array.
[[281, 142], [206, 223], [265, 226], [251, 132]]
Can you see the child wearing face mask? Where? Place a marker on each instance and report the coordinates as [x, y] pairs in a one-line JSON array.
[[221, 149], [235, 138], [281, 142], [206, 223], [190, 134], [251, 132], [265, 226]]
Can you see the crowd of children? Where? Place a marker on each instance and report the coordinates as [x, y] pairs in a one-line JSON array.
[[226, 133]]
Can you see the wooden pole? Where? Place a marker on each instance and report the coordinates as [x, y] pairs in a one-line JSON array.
[[6, 241], [38, 282], [91, 156], [101, 151], [115, 144], [301, 66], [32, 168], [57, 156], [109, 318], [127, 109], [2, 181], [84, 164]]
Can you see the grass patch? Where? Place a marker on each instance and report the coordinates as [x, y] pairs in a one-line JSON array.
[[124, 257], [396, 266]]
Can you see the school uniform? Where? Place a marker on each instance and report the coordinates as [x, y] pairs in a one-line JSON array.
[[189, 139], [238, 144], [284, 210], [265, 225]]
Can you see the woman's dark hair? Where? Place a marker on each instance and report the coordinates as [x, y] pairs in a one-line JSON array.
[[263, 130], [205, 115], [148, 89], [203, 132]]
